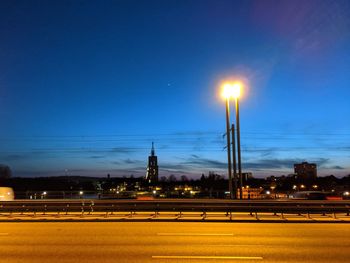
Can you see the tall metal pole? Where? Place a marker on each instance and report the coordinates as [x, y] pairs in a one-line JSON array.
[[234, 161], [239, 151], [228, 147]]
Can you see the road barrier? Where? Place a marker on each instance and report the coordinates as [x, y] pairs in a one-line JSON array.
[[175, 205]]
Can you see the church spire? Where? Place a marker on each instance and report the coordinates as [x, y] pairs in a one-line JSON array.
[[152, 168], [152, 150]]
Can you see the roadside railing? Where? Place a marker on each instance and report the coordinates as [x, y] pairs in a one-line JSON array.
[[203, 206]]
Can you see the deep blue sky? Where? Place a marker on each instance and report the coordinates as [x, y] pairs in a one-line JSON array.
[[86, 86]]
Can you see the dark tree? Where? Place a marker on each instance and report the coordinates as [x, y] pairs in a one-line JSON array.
[[5, 172]]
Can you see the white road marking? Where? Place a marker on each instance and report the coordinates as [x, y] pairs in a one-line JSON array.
[[194, 234], [207, 257], [244, 245]]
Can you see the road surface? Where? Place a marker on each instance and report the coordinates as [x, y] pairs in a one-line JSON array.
[[159, 242]]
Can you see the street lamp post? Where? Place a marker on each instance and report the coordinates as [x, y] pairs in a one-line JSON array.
[[233, 90], [234, 161], [226, 92], [228, 146], [239, 149]]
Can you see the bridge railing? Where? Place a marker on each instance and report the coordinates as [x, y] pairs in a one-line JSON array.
[[203, 206]]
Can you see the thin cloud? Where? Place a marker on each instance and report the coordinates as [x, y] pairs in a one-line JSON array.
[[130, 161], [174, 167], [14, 157], [280, 163], [336, 167], [195, 161], [123, 150], [97, 157]]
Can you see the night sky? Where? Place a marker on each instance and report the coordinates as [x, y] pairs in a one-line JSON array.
[[86, 86]]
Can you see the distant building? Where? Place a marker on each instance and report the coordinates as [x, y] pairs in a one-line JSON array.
[[305, 170], [152, 168], [250, 193], [247, 176]]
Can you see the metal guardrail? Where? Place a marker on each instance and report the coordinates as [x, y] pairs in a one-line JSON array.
[[175, 205]]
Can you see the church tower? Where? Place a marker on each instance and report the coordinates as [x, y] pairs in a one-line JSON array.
[[152, 168]]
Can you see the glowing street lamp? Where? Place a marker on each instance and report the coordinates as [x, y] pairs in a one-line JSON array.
[[231, 90]]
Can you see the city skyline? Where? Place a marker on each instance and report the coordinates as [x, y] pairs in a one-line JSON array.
[[86, 87]]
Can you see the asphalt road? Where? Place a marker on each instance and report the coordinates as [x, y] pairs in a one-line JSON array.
[[173, 242]]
